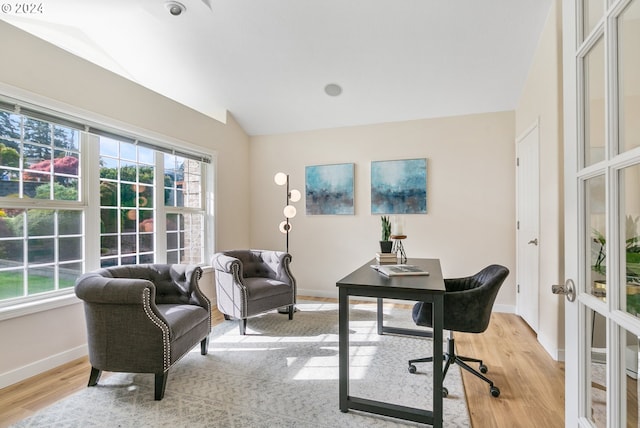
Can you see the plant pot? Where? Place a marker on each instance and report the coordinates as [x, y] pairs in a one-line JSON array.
[[385, 246]]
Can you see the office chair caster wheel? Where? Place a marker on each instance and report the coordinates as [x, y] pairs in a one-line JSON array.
[[445, 392], [494, 391], [412, 368], [483, 368]]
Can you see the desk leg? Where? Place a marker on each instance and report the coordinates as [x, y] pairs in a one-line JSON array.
[[438, 309], [380, 316], [343, 346]]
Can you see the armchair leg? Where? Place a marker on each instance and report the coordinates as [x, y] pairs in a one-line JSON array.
[[160, 384], [204, 346], [243, 326], [291, 311], [94, 377]]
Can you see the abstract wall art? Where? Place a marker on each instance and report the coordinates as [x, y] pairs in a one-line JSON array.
[[399, 186], [329, 189]]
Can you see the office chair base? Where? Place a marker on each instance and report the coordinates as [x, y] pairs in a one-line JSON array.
[[450, 357]]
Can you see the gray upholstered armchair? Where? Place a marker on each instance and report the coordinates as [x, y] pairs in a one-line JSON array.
[[250, 282], [143, 318]]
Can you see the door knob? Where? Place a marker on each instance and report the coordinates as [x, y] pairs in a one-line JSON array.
[[568, 289], [533, 241]]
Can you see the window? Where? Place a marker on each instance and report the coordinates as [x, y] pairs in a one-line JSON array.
[[127, 176], [41, 220], [185, 218], [44, 216]]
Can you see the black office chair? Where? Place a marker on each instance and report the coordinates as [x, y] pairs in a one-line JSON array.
[[467, 308]]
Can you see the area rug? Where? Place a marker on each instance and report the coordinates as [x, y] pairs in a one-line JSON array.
[[281, 374]]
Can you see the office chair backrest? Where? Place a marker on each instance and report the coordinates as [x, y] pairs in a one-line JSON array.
[[469, 301]]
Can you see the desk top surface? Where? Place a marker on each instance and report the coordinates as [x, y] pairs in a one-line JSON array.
[[366, 276]]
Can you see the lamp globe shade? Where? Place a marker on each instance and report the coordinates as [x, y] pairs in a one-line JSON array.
[[285, 227], [280, 179], [289, 211], [295, 195]]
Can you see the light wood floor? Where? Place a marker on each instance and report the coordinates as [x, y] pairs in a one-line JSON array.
[[531, 383]]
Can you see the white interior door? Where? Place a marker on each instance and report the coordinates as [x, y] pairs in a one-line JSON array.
[[528, 213], [601, 49]]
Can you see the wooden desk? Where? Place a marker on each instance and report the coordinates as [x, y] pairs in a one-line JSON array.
[[367, 282]]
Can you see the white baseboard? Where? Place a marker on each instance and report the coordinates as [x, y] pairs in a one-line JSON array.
[[41, 366], [505, 309], [556, 353], [318, 293]]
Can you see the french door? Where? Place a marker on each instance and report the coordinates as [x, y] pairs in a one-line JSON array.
[[601, 49]]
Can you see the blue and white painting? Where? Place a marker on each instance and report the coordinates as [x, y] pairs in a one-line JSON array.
[[329, 189], [399, 187]]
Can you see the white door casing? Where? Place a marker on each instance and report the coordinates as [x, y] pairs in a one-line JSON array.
[[574, 390]]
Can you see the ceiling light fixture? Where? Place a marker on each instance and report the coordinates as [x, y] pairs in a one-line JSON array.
[[333, 89], [175, 8]]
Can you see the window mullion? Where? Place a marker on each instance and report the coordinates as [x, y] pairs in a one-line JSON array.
[[90, 168], [160, 221]]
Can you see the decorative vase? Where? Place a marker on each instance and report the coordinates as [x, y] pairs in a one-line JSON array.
[[385, 246]]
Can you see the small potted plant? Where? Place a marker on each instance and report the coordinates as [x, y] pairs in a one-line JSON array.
[[385, 243]]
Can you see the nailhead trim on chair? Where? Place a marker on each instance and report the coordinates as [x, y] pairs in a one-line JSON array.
[[243, 290], [166, 344], [202, 295], [294, 290]]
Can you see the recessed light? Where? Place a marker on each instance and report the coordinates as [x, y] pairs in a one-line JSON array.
[[175, 8], [333, 90]]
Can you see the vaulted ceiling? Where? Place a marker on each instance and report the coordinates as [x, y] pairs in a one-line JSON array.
[[267, 62]]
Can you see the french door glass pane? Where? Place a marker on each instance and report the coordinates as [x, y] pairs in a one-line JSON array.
[[594, 114], [629, 69], [630, 245], [593, 11], [595, 236], [597, 354], [629, 345]]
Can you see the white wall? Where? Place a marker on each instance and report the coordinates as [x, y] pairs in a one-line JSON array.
[[542, 99], [470, 197], [32, 343]]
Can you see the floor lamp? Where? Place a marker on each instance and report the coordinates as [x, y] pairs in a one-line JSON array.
[[289, 211]]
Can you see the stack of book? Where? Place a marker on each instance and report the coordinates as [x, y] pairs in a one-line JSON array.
[[387, 258]]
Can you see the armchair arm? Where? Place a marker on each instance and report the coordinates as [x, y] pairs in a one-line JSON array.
[[279, 262], [227, 264], [95, 288], [187, 277], [112, 306]]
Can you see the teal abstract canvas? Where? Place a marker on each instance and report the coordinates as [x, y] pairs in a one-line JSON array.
[[399, 186], [329, 189]]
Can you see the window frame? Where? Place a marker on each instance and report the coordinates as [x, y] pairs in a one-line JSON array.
[[89, 202]]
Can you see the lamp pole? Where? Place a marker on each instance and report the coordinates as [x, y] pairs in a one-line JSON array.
[[287, 226], [289, 211]]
